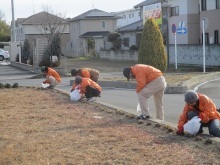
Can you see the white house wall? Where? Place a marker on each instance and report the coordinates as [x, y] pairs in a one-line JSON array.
[[96, 25], [38, 29], [127, 17]]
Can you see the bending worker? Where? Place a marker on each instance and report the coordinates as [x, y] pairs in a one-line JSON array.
[[93, 74], [150, 81]]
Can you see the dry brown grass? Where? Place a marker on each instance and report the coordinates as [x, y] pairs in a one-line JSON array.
[[45, 127]]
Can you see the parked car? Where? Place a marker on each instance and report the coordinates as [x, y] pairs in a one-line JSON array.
[[4, 55]]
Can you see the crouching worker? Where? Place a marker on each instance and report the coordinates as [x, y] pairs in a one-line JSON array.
[[93, 74], [200, 105], [88, 87], [52, 77]]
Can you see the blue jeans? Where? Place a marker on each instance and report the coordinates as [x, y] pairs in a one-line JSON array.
[[213, 125]]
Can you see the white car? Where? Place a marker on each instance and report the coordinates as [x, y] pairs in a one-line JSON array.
[[4, 55]]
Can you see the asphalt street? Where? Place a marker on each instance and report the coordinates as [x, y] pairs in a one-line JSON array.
[[123, 99]]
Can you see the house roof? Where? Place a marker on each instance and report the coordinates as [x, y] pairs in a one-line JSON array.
[[136, 26], [41, 18], [95, 34], [94, 14], [148, 2]]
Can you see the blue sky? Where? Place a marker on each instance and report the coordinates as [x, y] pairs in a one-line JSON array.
[[69, 8]]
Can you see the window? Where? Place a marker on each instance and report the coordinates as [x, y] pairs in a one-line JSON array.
[[129, 15], [206, 38], [203, 5], [126, 42], [217, 4], [124, 16], [216, 37], [132, 15], [174, 10], [103, 24]]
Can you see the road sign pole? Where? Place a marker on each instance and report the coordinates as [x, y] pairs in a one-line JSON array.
[[203, 31], [175, 52]]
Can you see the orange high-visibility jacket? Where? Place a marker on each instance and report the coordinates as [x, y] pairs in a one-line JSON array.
[[144, 74], [85, 82], [52, 72], [206, 106], [89, 73]]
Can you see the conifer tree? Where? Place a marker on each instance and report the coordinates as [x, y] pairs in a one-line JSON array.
[[152, 51], [26, 53]]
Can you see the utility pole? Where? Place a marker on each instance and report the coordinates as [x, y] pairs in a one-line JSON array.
[[13, 21]]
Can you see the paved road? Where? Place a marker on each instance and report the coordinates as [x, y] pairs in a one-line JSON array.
[[212, 90], [122, 99]]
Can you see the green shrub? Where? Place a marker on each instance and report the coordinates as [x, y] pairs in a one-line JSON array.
[[26, 53], [54, 48], [115, 39], [15, 85], [2, 85], [152, 51], [7, 85], [133, 47]]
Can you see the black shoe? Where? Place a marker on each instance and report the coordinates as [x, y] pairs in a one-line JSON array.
[[200, 131], [142, 117]]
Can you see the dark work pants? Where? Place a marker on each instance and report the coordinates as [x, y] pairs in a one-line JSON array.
[[91, 92], [213, 125]]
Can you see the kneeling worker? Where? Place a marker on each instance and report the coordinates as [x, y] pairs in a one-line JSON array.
[[88, 87], [200, 105]]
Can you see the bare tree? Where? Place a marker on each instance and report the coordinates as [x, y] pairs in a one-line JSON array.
[[50, 25]]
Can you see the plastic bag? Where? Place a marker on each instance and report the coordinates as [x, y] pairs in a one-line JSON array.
[[45, 85], [138, 108], [192, 126], [75, 95]]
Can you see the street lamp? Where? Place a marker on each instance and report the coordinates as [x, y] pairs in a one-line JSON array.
[[165, 7]]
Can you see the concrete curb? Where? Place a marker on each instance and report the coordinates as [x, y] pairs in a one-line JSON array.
[[169, 89], [164, 123]]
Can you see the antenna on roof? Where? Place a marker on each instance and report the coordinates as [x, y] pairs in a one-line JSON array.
[[92, 5], [33, 6]]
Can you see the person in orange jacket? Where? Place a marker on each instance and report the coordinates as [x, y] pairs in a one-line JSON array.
[[93, 74], [52, 77], [202, 106], [150, 81], [88, 87]]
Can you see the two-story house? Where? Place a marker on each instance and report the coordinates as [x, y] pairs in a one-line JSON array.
[[128, 17], [89, 31], [40, 25], [39, 29]]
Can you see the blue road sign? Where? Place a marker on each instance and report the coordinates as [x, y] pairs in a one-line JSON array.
[[181, 31]]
